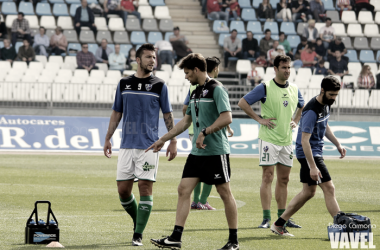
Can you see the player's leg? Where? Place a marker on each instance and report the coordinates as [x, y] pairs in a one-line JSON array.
[[203, 203], [329, 193], [197, 193]]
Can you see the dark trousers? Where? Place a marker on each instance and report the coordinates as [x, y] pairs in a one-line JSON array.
[[57, 51], [228, 55], [367, 6], [166, 57], [246, 55], [85, 24], [95, 67], [116, 12], [15, 35], [317, 17]]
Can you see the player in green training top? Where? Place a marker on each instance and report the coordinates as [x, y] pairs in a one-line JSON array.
[[209, 110], [200, 200], [279, 101]]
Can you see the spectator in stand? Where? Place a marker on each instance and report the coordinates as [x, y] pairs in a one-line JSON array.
[[85, 59], [266, 42], [297, 62], [320, 69], [327, 33], [177, 36], [179, 43], [334, 46], [58, 42], [117, 60], [232, 47], [366, 79], [271, 54], [233, 9], [113, 7], [302, 46], [26, 53], [103, 52], [301, 10], [280, 50], [309, 57], [20, 28], [285, 43], [310, 32], [320, 48], [84, 17], [129, 9], [3, 30], [265, 11], [8, 52], [364, 4], [284, 11], [131, 61], [261, 61], [318, 9], [214, 11], [41, 42], [338, 66], [250, 46], [343, 5], [253, 78], [165, 52]]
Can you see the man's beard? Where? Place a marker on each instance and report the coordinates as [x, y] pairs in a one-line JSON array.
[[145, 68], [327, 101]]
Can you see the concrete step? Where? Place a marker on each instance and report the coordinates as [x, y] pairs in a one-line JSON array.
[[182, 3], [189, 26], [201, 40], [203, 46], [184, 13], [196, 33], [198, 19], [207, 52]]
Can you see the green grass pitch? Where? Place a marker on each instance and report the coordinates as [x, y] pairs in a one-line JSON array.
[[84, 198]]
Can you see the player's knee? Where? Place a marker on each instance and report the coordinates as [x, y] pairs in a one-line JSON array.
[[145, 189], [224, 192], [283, 180], [183, 191], [124, 193], [268, 177], [330, 190], [309, 193]]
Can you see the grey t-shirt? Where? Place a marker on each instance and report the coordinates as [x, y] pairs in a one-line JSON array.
[[184, 39], [233, 46]]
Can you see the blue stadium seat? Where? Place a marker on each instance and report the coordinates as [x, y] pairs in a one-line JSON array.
[[138, 37], [92, 47], [157, 3], [112, 46], [56, 1], [288, 28], [1, 44], [167, 35], [153, 37], [274, 3], [254, 27], [43, 9], [272, 26], [138, 46], [73, 2], [352, 56], [238, 25], [256, 3], [18, 45], [9, 8], [74, 46], [328, 4], [60, 9], [293, 41], [220, 26], [241, 36], [125, 48], [258, 37], [378, 56], [367, 56], [73, 8], [275, 37], [248, 14], [26, 8], [92, 1], [245, 3], [221, 38]]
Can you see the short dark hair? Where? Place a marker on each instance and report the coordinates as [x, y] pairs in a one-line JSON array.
[[42, 27], [234, 30], [310, 45], [322, 61], [21, 13], [145, 46], [84, 44], [176, 28], [303, 39], [192, 61], [212, 62], [328, 19], [267, 30], [330, 83], [248, 31], [281, 58], [25, 40], [318, 39], [281, 33]]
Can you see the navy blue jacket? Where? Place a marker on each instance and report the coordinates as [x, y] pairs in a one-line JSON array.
[[78, 14]]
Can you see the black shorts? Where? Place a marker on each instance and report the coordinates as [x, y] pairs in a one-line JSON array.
[[211, 169], [305, 171]]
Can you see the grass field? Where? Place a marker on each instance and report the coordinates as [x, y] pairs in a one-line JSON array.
[[84, 199]]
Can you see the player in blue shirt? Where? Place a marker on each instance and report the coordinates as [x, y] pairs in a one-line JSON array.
[[138, 101], [313, 127]]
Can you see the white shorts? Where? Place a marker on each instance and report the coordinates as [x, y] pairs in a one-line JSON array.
[[133, 163], [271, 154]]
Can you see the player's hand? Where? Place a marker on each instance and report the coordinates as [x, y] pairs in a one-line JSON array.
[[268, 123], [293, 124], [172, 149], [156, 146], [199, 142], [107, 148], [230, 131], [315, 173], [342, 152]]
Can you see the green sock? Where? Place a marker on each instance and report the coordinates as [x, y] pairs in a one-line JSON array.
[[130, 206], [205, 193], [280, 212], [143, 213], [266, 214], [197, 192]]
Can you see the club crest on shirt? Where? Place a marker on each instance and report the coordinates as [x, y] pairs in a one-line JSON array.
[[266, 148], [148, 87], [285, 103], [193, 96], [205, 92]]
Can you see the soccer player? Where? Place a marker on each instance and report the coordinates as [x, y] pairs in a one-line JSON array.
[[138, 100], [200, 200], [279, 101], [208, 162], [313, 127]]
